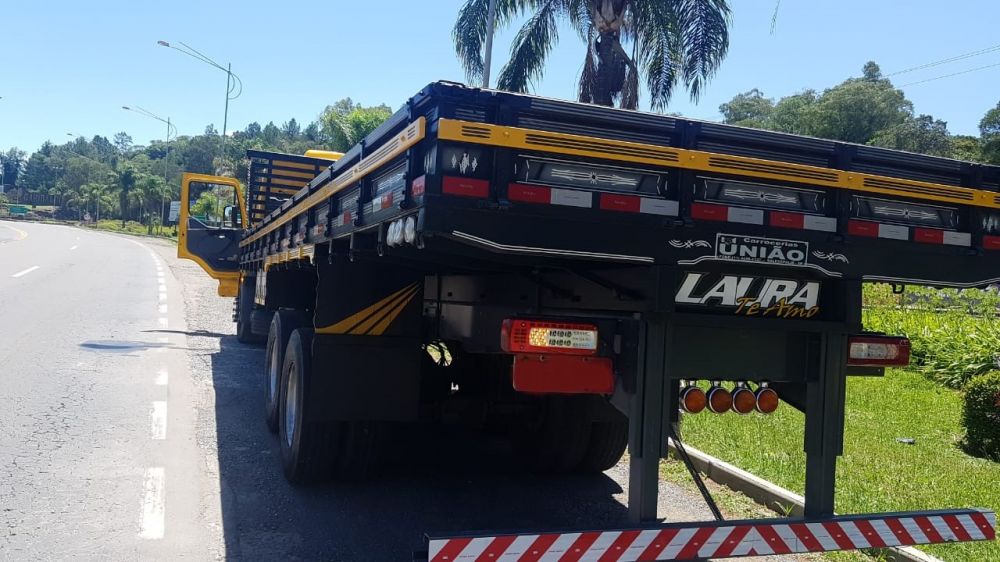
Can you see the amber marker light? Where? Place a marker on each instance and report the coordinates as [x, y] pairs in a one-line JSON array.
[[767, 399], [744, 399], [693, 399], [719, 399]]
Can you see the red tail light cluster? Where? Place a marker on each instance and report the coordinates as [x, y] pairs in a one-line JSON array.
[[741, 399], [878, 351]]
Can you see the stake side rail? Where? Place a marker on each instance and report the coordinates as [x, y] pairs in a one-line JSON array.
[[518, 178]]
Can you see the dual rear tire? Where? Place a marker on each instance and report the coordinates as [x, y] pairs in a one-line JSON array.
[[577, 434], [314, 448]]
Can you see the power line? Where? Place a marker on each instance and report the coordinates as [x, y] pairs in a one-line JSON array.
[[946, 61], [950, 75]]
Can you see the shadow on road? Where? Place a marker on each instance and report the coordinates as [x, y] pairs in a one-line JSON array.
[[440, 482]]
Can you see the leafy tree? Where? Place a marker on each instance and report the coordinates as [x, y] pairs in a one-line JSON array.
[[922, 134], [271, 133], [749, 109], [346, 130], [989, 130], [672, 42], [125, 177], [210, 130], [858, 108], [796, 114], [291, 129], [966, 147], [312, 132], [12, 165], [253, 130], [39, 173], [122, 142]]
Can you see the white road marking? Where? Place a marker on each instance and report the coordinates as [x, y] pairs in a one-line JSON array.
[[26, 271], [163, 296], [158, 420], [162, 287], [153, 508], [162, 322], [161, 376], [74, 246], [163, 309]]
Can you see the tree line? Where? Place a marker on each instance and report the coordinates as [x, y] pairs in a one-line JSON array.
[[116, 178], [865, 110]]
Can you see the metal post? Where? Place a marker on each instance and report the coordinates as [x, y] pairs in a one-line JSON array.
[[166, 180], [491, 20], [648, 417], [225, 116], [826, 388]]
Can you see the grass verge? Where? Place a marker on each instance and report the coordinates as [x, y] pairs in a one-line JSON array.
[[876, 473], [132, 227]]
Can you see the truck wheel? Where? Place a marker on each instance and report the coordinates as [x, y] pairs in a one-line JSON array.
[[244, 314], [558, 446], [283, 324], [306, 446], [608, 440]]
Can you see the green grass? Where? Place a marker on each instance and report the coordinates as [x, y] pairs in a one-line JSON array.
[[876, 474], [955, 334], [132, 227]]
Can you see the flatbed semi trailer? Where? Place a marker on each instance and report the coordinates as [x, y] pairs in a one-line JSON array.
[[565, 274]]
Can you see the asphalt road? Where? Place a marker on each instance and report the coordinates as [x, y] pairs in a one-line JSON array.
[[131, 428]]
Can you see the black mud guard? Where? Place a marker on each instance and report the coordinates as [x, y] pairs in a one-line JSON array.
[[366, 352]]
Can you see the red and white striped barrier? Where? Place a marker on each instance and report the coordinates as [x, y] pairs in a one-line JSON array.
[[721, 540]]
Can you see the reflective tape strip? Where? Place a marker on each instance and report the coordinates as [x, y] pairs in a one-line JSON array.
[[664, 207], [893, 231], [571, 198], [825, 224], [745, 216], [719, 540]]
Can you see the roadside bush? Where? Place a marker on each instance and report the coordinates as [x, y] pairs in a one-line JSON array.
[[981, 416], [955, 335]]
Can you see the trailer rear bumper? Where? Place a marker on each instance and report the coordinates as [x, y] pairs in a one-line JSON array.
[[697, 541]]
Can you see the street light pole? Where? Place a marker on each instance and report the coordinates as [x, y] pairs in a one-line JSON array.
[[166, 157], [234, 86]]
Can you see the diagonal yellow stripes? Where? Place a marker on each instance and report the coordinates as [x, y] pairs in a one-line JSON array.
[[378, 315]]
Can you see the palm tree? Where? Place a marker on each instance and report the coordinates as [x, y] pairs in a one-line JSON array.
[[125, 178], [671, 42]]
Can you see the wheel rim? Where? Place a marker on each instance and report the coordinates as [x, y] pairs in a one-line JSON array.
[[291, 404], [273, 374]]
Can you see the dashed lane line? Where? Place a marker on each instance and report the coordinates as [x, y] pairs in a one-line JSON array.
[[162, 376], [158, 420], [26, 271], [153, 507]]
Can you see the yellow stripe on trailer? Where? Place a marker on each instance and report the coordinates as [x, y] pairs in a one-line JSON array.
[[624, 151]]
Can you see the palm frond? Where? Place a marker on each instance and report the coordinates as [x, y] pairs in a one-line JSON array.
[[655, 28], [588, 78], [531, 46], [704, 29]]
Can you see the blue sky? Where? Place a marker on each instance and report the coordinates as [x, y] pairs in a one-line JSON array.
[[69, 66]]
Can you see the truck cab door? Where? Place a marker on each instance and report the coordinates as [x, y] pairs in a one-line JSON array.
[[211, 222]]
